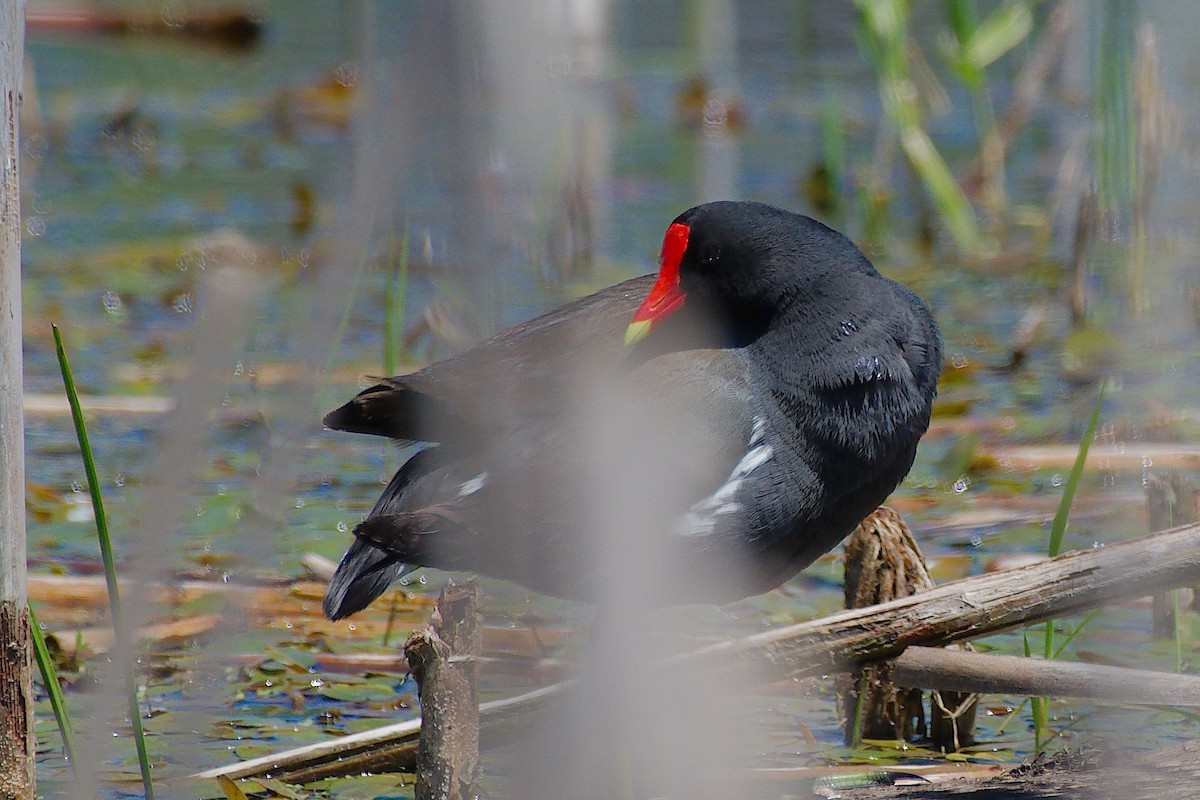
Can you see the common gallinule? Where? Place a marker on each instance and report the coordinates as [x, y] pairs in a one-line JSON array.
[[772, 390]]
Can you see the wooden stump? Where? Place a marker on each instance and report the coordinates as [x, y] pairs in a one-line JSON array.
[[883, 563], [444, 659]]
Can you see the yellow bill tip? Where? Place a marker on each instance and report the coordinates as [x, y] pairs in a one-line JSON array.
[[636, 332]]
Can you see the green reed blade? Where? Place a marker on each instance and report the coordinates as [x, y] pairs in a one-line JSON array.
[[50, 677], [106, 554]]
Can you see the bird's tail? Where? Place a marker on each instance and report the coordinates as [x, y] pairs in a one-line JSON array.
[[364, 573], [375, 560]]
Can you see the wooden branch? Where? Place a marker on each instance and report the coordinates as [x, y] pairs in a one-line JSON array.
[[392, 746], [1027, 458], [46, 404], [226, 27], [990, 673], [961, 610], [319, 566], [967, 609]]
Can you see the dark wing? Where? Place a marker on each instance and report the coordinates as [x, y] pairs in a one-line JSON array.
[[521, 374], [630, 459]]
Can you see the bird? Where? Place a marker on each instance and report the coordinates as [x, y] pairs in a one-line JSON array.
[[745, 407]]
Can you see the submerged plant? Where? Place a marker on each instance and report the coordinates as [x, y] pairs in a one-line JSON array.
[[1058, 529]]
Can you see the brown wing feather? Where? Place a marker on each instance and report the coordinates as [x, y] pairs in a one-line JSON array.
[[523, 371]]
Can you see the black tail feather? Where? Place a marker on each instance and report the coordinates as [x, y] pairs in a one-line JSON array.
[[398, 411], [367, 569], [385, 409], [364, 573]]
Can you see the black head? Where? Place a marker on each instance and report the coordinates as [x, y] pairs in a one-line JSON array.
[[745, 265]]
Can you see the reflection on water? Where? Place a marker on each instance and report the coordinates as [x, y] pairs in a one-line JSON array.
[[536, 153]]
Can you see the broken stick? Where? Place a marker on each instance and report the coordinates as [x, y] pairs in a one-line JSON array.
[[444, 659]]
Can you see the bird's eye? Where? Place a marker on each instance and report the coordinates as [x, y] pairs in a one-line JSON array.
[[710, 256]]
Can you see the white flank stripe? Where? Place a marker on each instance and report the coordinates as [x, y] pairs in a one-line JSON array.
[[702, 517], [472, 486]]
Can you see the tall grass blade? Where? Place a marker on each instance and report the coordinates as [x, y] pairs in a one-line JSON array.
[[1059, 527], [1003, 29], [833, 150], [1037, 704], [883, 35], [393, 309], [1012, 714], [860, 711], [1116, 119], [344, 320], [50, 678], [106, 554], [963, 16], [976, 45], [391, 620], [1078, 629], [1178, 616]]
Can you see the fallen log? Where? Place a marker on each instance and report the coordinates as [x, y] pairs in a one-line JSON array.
[[1028, 458], [319, 567], [779, 778], [233, 28], [990, 673], [965, 609], [394, 745], [77, 597]]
